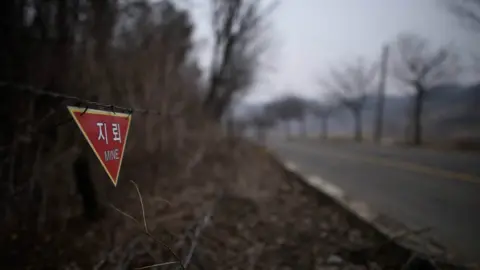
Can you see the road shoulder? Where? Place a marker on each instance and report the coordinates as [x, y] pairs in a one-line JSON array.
[[398, 232]]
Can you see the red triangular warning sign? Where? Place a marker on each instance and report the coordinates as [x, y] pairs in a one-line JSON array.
[[106, 132]]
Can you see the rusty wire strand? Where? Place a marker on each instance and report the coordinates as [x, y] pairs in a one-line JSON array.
[[87, 103]]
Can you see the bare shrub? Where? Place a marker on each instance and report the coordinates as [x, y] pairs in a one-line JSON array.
[[132, 53]]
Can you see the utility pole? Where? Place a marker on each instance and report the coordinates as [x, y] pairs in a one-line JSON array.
[[381, 96]]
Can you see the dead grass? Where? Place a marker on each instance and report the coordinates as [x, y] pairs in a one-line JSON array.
[[262, 219]]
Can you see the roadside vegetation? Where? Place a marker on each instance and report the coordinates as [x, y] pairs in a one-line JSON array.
[[190, 195]]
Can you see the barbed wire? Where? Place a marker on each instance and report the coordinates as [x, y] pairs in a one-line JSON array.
[[87, 103]]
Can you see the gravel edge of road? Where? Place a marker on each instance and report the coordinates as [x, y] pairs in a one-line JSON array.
[[412, 240]]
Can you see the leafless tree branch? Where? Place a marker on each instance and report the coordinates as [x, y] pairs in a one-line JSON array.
[[418, 64], [350, 85], [239, 41], [467, 11]]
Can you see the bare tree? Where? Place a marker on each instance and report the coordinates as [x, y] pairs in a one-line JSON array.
[[420, 68], [289, 108], [350, 85], [262, 121], [323, 110], [239, 41]]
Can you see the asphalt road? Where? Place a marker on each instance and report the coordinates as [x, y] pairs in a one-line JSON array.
[[419, 187]]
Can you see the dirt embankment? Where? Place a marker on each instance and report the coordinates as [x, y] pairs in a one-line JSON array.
[[234, 208]]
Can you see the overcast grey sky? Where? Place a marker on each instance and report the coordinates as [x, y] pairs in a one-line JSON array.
[[311, 35]]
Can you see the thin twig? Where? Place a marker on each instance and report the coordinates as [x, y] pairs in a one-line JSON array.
[[125, 214], [155, 265], [147, 248], [163, 200], [145, 231], [193, 246], [141, 202], [167, 248], [127, 256], [206, 219], [108, 255], [153, 238]]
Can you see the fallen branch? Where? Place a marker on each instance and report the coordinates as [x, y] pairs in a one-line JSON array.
[[198, 230], [157, 265]]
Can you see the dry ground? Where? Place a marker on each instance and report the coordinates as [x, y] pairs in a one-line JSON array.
[[234, 209]]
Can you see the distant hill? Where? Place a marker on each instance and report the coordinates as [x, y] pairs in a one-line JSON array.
[[449, 111], [454, 112]]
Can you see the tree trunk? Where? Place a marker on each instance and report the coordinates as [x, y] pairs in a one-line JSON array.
[[287, 129], [357, 116], [417, 115], [324, 128], [304, 126]]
